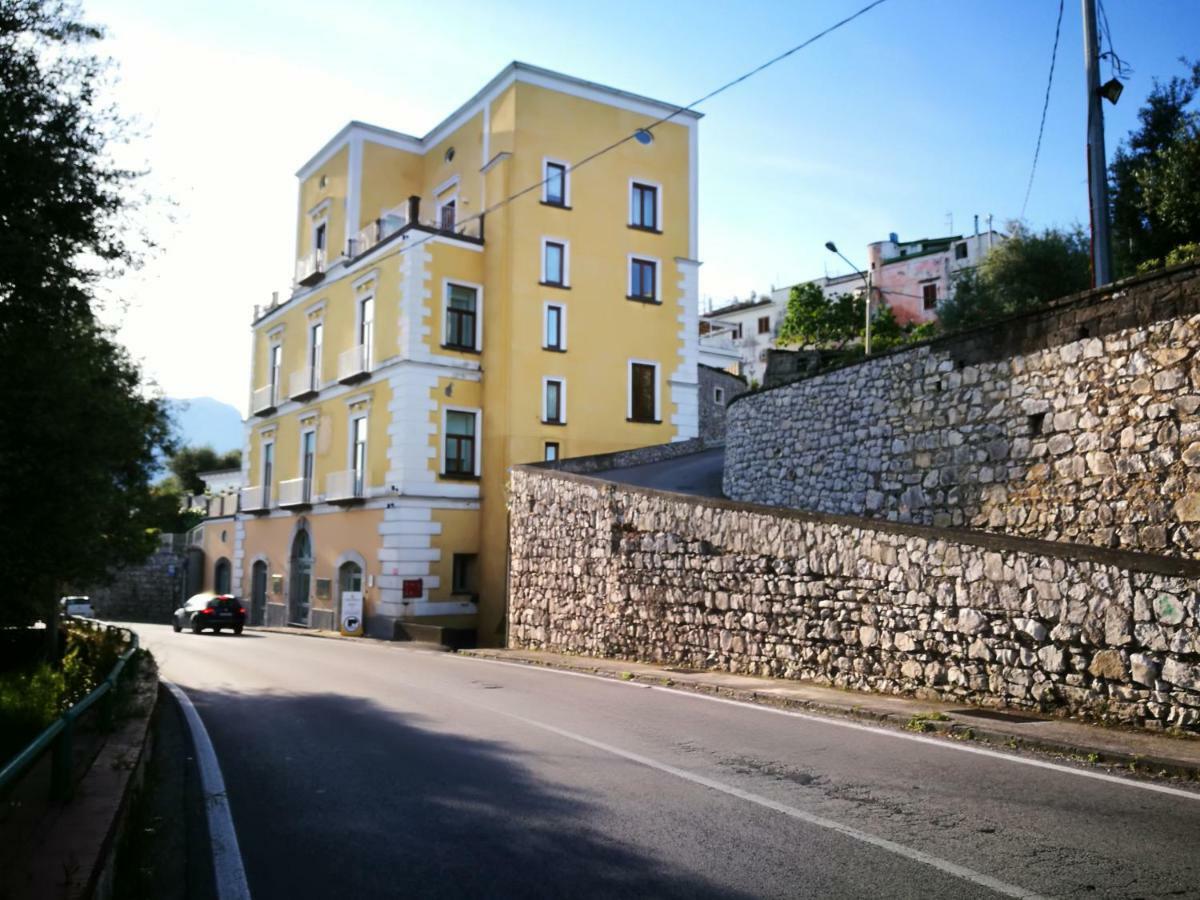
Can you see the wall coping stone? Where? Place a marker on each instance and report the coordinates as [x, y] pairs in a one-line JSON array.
[[1000, 334], [1127, 559]]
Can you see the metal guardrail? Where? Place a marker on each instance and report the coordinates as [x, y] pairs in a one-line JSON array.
[[60, 733]]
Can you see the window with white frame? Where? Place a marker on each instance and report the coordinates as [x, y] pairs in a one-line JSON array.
[[643, 279], [462, 326], [555, 267], [554, 184], [554, 401], [446, 214], [358, 453], [554, 330], [268, 471], [643, 206], [643, 391], [460, 449], [366, 329], [308, 457], [551, 450], [316, 342], [274, 365]]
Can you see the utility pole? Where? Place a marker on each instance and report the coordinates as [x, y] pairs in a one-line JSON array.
[[867, 330], [1097, 163]]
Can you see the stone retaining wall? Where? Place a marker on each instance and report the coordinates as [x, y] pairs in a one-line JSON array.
[[1077, 423], [614, 571], [150, 592]]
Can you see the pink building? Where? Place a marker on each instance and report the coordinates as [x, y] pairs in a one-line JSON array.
[[912, 277]]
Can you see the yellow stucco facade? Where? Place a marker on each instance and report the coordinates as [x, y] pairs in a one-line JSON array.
[[438, 335]]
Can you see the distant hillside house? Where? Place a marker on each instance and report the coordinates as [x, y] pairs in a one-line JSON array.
[[912, 277]]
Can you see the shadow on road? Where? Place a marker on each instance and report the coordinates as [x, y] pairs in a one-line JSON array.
[[338, 796]]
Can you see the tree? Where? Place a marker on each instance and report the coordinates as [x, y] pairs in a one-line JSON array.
[[1154, 178], [80, 430], [813, 320], [187, 462], [1023, 273]]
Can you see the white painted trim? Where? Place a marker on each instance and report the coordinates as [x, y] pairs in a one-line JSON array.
[[658, 202], [353, 189], [562, 400], [358, 325], [566, 178], [315, 308], [693, 192], [350, 420], [494, 161], [359, 398], [658, 296], [566, 260], [364, 279], [274, 333], [629, 387], [320, 207], [450, 182], [478, 289], [478, 414], [562, 324]]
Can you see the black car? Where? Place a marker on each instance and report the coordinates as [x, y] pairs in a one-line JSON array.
[[208, 610]]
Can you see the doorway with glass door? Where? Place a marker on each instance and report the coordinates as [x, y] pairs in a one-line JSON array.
[[301, 579]]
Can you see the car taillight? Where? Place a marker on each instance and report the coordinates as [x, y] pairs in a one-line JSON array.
[[206, 611], [241, 610]]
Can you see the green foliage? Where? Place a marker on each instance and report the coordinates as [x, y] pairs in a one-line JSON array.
[[1021, 274], [812, 320], [82, 430], [187, 463], [1154, 178], [31, 700], [886, 332], [1184, 253]]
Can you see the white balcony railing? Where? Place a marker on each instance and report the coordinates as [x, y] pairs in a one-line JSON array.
[[303, 382], [256, 497], [346, 485], [377, 232], [353, 362], [295, 492], [263, 399], [309, 267]]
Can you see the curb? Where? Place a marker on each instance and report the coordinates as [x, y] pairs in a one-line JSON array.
[[1149, 766]]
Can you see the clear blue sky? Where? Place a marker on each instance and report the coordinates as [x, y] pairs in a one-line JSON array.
[[920, 109]]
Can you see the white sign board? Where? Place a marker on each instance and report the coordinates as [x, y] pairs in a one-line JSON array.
[[352, 612]]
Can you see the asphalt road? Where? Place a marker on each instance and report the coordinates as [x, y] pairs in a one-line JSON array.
[[368, 770], [697, 473]]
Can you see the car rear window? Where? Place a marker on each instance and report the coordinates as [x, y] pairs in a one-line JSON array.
[[223, 603]]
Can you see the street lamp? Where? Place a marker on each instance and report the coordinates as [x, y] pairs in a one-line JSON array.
[[832, 248]]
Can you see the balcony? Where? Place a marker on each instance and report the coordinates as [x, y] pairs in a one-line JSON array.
[[310, 269], [304, 384], [264, 400], [295, 492], [377, 232], [344, 487], [354, 364], [256, 499]]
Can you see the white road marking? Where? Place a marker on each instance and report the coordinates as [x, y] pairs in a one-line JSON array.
[[229, 872], [942, 865], [859, 726]]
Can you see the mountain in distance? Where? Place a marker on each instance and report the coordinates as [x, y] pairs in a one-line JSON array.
[[204, 420]]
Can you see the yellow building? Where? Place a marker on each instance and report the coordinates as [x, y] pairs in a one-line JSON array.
[[429, 344]]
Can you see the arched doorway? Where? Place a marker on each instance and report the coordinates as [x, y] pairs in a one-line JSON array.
[[350, 581], [221, 576], [301, 578], [258, 592]]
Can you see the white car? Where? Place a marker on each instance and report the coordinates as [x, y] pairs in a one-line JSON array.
[[78, 606]]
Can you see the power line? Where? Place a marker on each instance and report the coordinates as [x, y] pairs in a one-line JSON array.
[[1045, 106], [682, 109]]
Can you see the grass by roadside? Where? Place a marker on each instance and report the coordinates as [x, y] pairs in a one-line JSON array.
[[33, 697]]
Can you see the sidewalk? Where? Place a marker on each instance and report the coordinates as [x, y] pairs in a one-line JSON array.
[[1142, 752]]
